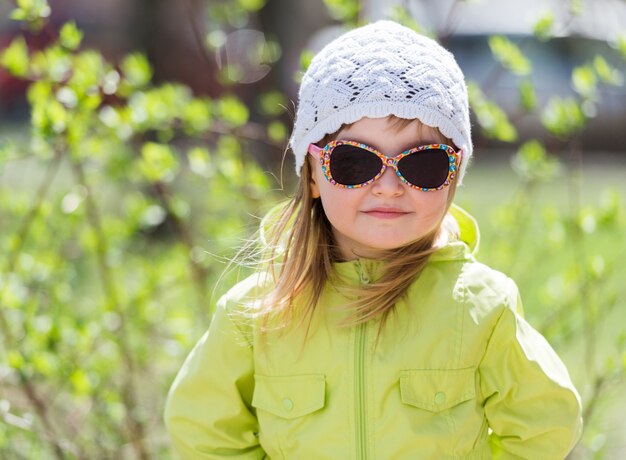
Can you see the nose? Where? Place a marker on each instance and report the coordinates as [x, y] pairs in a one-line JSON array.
[[389, 184]]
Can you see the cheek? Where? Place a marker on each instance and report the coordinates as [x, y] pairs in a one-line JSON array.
[[432, 204], [338, 202]]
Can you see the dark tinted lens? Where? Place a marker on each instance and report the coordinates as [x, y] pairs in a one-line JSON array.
[[426, 169], [350, 165]]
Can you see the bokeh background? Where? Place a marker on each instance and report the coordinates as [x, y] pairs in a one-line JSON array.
[[142, 140]]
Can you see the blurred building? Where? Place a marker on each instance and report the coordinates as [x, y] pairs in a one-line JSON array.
[[172, 34], [159, 28], [464, 28]]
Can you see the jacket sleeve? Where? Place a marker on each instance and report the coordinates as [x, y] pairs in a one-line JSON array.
[[208, 411], [531, 405]]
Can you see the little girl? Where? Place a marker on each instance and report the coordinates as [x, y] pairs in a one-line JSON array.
[[370, 331]]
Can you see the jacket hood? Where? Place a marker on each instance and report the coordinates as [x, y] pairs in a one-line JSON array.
[[465, 245]]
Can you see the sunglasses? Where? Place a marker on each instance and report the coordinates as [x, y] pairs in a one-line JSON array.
[[351, 164]]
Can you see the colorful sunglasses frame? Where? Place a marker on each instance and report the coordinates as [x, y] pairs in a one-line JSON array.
[[454, 159]]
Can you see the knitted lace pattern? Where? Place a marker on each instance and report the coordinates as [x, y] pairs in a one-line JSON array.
[[378, 70]]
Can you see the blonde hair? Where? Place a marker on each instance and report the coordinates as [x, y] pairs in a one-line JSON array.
[[301, 252]]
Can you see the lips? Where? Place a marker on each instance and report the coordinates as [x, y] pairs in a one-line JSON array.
[[385, 213]]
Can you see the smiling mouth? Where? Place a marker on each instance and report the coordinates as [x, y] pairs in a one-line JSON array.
[[381, 213]]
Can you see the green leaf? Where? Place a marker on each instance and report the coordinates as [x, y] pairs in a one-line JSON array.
[[509, 55], [228, 151], [610, 208], [527, 95], [200, 161], [492, 119], [586, 221], [48, 115], [179, 207], [80, 382], [57, 116], [70, 36], [33, 12], [158, 162], [543, 27], [197, 116], [306, 57], [531, 162], [597, 266], [269, 52], [44, 363], [344, 10], [15, 58], [88, 70], [54, 63], [251, 5], [607, 73], [232, 111], [272, 103], [584, 81], [158, 108], [576, 7], [15, 359], [136, 70], [620, 44], [18, 14], [277, 132], [563, 117]]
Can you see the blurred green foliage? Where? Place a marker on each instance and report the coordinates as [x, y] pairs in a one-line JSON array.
[[491, 117], [509, 55], [137, 194], [544, 25], [344, 10], [127, 199]]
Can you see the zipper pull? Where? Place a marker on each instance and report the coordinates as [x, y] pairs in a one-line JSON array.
[[363, 277]]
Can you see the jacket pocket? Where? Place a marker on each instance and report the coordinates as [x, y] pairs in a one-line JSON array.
[[290, 396], [436, 390]]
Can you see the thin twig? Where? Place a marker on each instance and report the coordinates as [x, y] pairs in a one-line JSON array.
[[197, 34], [22, 234], [42, 412], [580, 254], [599, 386], [198, 273], [40, 195], [250, 131], [448, 24], [25, 385], [110, 290]]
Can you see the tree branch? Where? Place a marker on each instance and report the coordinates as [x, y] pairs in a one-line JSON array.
[[25, 385], [110, 290]]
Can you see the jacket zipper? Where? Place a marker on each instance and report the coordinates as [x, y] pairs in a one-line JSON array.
[[360, 395], [360, 380]]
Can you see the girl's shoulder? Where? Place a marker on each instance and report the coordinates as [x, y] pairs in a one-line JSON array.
[[486, 291], [245, 290], [478, 278], [476, 284], [243, 300]]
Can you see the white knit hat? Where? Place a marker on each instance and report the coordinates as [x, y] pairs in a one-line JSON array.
[[378, 70]]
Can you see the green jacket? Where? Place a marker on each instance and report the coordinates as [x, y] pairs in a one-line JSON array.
[[457, 373]]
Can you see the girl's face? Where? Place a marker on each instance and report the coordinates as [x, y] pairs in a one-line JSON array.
[[387, 213]]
